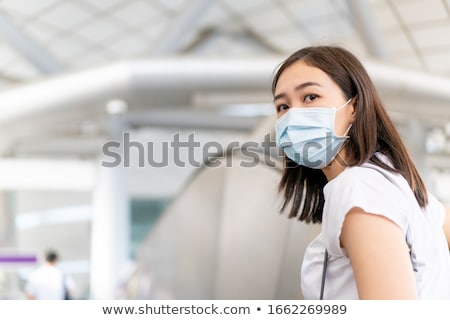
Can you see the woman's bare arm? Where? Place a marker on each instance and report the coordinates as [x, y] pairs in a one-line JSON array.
[[379, 256]]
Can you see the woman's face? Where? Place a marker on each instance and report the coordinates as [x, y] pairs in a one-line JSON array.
[[303, 86]]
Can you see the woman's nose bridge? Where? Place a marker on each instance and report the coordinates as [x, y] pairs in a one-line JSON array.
[[297, 105]]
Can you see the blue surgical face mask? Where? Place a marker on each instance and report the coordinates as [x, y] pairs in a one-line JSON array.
[[307, 136]]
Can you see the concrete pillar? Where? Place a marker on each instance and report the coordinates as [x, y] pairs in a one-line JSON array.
[[7, 224], [110, 219]]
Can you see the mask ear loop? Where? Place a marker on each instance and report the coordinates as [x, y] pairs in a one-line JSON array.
[[350, 126], [345, 135], [347, 131], [344, 105]]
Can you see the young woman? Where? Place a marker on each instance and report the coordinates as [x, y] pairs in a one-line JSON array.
[[383, 235]]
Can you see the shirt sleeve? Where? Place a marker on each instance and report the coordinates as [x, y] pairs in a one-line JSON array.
[[369, 190], [436, 210]]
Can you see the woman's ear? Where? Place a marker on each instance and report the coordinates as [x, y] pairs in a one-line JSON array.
[[353, 109]]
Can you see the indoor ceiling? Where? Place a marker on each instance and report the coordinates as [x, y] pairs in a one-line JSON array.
[[43, 37]]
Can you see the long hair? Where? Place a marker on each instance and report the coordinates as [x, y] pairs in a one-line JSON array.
[[371, 132]]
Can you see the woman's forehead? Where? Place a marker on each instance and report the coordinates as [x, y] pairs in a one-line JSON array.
[[299, 72]]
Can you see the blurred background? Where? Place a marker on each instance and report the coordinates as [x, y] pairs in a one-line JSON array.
[[170, 222]]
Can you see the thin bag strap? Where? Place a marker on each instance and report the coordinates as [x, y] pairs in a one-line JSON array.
[[324, 273]]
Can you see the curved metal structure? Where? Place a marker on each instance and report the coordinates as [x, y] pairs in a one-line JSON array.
[[223, 238], [139, 82]]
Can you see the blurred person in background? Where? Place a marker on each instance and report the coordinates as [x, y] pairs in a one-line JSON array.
[[384, 235], [48, 282]]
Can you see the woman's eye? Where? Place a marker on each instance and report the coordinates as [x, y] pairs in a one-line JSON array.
[[309, 97], [282, 107]]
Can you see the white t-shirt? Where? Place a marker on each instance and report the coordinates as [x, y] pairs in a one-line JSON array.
[[46, 283], [380, 192]]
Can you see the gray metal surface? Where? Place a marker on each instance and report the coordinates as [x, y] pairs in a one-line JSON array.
[[223, 238]]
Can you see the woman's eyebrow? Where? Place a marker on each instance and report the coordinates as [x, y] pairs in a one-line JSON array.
[[298, 87]]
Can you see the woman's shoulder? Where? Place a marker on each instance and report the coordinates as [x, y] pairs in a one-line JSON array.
[[364, 176], [361, 172], [373, 189], [368, 187]]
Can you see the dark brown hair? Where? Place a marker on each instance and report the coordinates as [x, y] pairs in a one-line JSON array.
[[371, 132], [51, 256]]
